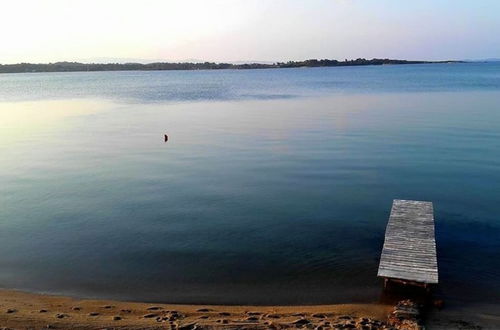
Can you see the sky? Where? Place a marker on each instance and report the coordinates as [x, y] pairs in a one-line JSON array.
[[41, 31]]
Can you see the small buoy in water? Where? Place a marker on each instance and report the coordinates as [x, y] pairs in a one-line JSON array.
[[438, 303], [166, 137]]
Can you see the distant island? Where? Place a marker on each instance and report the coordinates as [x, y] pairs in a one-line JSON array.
[[76, 66]]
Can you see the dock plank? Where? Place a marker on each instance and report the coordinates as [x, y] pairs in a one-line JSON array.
[[409, 251]]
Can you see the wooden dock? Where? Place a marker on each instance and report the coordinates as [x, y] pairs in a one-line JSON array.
[[409, 252]]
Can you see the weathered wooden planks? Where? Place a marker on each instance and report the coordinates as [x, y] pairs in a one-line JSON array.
[[409, 251]]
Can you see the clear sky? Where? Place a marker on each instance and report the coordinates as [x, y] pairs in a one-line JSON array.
[[233, 30]]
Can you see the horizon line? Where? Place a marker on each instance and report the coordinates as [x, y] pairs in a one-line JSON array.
[[237, 62]]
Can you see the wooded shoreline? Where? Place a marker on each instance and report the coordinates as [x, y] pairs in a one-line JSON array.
[[160, 66]]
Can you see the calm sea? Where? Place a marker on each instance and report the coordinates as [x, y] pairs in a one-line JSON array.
[[274, 188]]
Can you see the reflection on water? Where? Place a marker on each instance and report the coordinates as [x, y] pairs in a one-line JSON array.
[[20, 121], [218, 85], [281, 201]]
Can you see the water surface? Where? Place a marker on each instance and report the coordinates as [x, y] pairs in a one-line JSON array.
[[274, 188]]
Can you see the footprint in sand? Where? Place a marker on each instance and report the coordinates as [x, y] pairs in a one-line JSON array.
[[93, 314], [154, 308], [76, 308], [205, 310], [162, 319], [301, 322], [117, 318], [61, 315], [189, 326], [11, 310], [254, 313]]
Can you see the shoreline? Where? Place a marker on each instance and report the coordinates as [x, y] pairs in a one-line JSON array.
[[25, 310], [66, 66], [22, 309]]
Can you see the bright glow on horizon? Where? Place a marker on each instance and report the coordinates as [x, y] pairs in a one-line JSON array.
[[233, 30]]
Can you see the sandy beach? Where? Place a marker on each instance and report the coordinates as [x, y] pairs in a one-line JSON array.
[[20, 310]]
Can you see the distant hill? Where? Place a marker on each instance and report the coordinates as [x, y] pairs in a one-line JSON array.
[[77, 66]]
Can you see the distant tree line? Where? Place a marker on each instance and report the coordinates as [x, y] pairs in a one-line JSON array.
[[75, 66]]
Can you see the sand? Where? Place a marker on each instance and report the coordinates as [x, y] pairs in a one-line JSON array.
[[21, 310]]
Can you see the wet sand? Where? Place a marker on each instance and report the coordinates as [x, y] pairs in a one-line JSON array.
[[20, 310]]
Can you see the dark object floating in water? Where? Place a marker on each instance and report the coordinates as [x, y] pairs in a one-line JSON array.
[[166, 137], [438, 303]]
